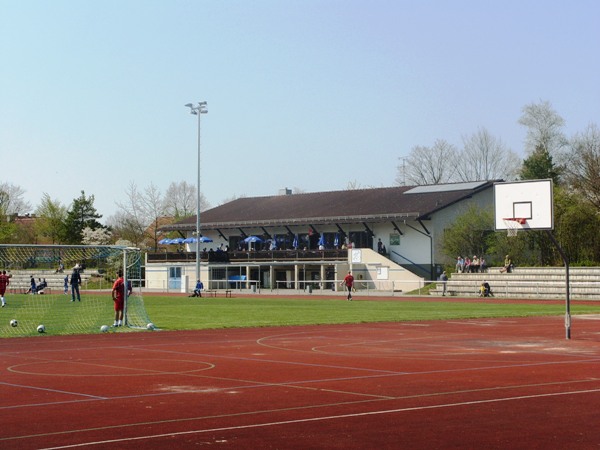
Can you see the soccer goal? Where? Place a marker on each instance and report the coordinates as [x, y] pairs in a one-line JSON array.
[[50, 302]]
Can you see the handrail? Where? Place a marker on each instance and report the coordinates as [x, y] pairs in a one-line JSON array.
[[245, 256]]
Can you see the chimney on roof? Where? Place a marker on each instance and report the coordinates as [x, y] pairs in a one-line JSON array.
[[285, 191]]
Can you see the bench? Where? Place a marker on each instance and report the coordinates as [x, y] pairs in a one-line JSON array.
[[215, 293]]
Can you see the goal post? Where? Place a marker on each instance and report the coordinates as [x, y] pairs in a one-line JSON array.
[[56, 306]]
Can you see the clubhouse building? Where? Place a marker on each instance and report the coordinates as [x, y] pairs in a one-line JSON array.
[[388, 237]]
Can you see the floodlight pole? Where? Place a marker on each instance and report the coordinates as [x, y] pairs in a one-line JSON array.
[[198, 110]]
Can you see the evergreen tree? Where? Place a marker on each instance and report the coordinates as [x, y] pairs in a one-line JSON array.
[[82, 214], [540, 166]]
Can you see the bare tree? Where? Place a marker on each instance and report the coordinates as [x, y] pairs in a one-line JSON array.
[[125, 226], [153, 207], [12, 201], [139, 217], [583, 168], [544, 128], [180, 200], [353, 185], [485, 157], [429, 165], [130, 221]]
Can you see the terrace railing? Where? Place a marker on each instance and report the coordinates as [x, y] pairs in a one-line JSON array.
[[250, 256]]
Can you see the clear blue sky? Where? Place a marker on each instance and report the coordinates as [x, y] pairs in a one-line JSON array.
[[301, 94]]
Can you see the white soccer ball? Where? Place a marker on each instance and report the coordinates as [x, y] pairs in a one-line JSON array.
[[150, 326], [14, 323], [104, 328], [41, 329]]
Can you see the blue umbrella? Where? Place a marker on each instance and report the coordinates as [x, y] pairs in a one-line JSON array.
[[164, 241], [295, 243], [336, 241], [176, 241], [192, 240], [250, 239]]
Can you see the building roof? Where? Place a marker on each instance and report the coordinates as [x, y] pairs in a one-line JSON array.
[[349, 206]]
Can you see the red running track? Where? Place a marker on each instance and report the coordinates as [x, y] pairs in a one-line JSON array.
[[485, 383]]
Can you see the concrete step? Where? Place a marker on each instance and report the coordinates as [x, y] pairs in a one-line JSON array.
[[528, 282]]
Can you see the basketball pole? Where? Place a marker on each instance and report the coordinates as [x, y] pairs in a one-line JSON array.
[[568, 299]]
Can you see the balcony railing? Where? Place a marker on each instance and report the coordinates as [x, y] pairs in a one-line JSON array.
[[250, 256]]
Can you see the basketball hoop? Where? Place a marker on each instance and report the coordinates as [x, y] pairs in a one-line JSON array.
[[513, 225]]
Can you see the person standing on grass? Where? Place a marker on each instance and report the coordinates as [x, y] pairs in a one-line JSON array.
[[32, 287], [4, 282], [118, 296], [348, 282], [75, 282]]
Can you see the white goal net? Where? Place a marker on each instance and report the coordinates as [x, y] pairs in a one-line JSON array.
[[52, 302]]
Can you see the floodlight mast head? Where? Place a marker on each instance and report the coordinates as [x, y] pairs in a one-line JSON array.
[[200, 108]]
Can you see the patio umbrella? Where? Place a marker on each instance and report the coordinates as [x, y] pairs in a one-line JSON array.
[[250, 239], [295, 243], [192, 240], [164, 241], [176, 241], [336, 241]]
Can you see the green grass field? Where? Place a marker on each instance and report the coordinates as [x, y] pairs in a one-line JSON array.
[[60, 316], [183, 313]]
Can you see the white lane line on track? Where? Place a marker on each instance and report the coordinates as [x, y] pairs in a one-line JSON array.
[[301, 408], [323, 418], [79, 394]]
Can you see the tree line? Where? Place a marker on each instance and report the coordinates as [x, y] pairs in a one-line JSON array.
[[572, 163], [136, 222]]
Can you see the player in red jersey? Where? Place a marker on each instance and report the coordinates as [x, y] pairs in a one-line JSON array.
[[349, 284], [118, 296], [4, 282]]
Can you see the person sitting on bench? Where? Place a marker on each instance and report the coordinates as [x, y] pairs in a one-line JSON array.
[[485, 290]]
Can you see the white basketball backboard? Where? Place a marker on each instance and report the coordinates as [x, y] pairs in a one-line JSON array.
[[531, 200]]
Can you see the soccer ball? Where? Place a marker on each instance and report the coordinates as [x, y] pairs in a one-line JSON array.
[[104, 328], [41, 329], [14, 323], [150, 326]]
